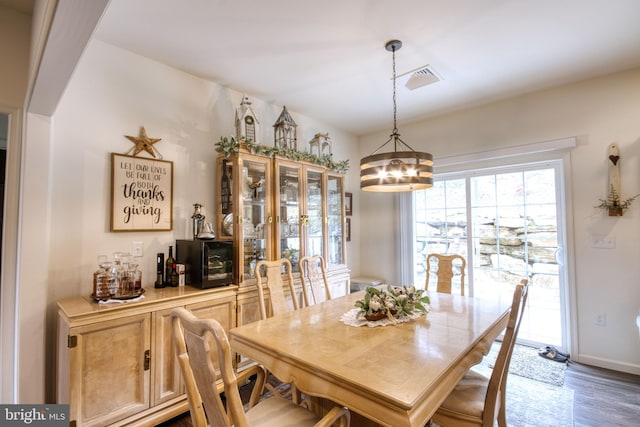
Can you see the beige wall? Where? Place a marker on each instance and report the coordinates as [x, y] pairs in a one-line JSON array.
[[598, 112], [15, 36], [67, 181]]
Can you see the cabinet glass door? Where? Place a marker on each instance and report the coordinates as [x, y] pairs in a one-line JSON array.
[[314, 237], [335, 220], [255, 218], [288, 220], [225, 207]]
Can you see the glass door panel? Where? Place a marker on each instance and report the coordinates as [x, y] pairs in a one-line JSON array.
[[225, 207], [517, 228], [506, 224], [335, 220], [314, 237], [288, 218], [254, 218], [441, 227]]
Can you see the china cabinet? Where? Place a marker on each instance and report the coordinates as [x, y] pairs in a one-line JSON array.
[[116, 363], [279, 208]]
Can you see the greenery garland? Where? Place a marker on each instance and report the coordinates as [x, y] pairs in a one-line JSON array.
[[229, 146]]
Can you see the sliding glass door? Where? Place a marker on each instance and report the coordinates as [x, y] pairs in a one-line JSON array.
[[505, 222]]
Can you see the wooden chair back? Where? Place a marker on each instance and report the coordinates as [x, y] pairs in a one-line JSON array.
[[478, 400], [313, 275], [445, 271], [270, 274], [496, 391], [198, 343]]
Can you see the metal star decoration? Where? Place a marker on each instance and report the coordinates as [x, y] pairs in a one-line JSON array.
[[143, 143]]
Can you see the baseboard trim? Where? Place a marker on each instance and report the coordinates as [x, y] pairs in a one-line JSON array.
[[614, 365]]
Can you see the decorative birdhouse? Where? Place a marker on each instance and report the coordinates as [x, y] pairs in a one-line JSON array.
[[247, 124], [321, 145], [285, 131]]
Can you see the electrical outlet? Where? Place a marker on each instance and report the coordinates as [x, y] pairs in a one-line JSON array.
[[600, 319], [137, 249]]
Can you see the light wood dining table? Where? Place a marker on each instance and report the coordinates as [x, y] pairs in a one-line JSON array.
[[394, 375]]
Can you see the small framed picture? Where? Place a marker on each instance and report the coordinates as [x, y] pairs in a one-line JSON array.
[[348, 204], [347, 229]]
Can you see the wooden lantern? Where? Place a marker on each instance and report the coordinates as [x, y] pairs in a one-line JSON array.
[[285, 131]]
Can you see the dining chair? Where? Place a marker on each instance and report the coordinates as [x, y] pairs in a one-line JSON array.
[[477, 400], [201, 341], [445, 271], [313, 275], [269, 274]]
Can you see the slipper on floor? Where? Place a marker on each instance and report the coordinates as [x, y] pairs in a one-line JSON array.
[[552, 348], [552, 353]]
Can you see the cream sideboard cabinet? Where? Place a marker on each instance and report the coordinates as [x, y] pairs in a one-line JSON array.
[[116, 362]]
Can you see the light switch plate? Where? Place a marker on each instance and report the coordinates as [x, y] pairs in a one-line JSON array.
[[603, 242]]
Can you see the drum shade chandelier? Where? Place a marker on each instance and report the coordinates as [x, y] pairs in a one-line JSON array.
[[402, 169]]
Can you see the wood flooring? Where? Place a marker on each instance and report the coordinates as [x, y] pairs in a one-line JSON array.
[[602, 398]]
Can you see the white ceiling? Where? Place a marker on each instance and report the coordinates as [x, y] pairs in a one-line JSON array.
[[327, 59]]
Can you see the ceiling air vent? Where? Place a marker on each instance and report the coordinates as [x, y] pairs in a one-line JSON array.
[[419, 77]]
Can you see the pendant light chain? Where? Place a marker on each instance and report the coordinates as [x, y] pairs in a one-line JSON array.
[[394, 134]]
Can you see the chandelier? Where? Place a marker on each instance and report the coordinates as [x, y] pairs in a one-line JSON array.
[[402, 169]]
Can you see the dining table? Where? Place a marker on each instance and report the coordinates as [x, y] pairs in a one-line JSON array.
[[395, 375]]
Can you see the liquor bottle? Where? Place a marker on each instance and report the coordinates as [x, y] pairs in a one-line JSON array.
[[136, 275], [102, 279], [170, 266], [174, 275]]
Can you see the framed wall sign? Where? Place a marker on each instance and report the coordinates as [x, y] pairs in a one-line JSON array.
[[141, 194], [348, 204]]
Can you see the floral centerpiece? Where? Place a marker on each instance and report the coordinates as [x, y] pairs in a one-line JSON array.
[[393, 303]]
